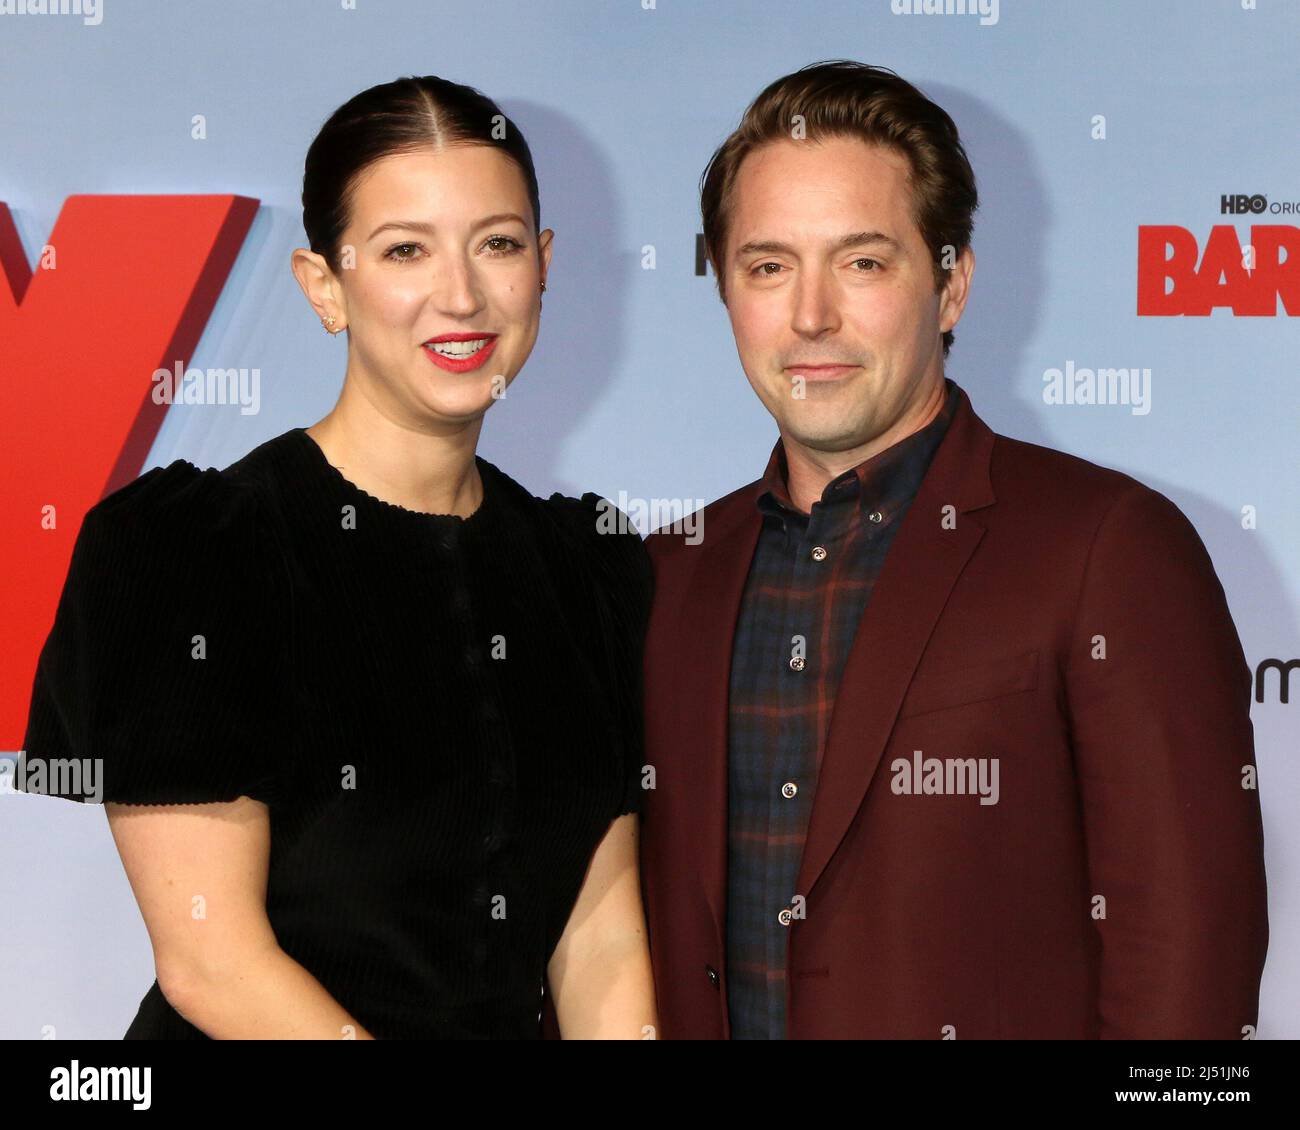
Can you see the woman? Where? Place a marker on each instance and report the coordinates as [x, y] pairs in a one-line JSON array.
[[368, 711]]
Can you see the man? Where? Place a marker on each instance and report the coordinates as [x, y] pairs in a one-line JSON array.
[[950, 732]]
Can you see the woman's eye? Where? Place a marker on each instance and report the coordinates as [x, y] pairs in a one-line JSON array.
[[496, 244], [504, 244]]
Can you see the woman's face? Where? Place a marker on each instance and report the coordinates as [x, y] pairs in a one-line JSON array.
[[440, 245]]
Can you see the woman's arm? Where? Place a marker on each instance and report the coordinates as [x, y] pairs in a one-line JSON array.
[[199, 873], [600, 975]]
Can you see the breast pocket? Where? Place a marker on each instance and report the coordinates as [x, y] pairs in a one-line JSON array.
[[960, 686]]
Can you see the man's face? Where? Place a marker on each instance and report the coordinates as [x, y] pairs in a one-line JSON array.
[[830, 290]]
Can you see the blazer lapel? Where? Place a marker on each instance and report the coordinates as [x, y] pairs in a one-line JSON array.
[[920, 570], [708, 617]]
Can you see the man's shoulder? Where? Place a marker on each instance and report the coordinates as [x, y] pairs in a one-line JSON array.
[[1056, 489], [1035, 486], [1017, 461]]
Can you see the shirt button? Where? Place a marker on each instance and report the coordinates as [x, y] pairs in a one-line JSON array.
[[784, 917], [796, 663], [875, 516], [819, 553], [789, 789]]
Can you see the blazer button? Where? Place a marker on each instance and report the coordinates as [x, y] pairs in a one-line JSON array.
[[714, 979], [796, 663], [784, 917]]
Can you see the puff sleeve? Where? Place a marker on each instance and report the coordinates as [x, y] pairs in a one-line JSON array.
[[162, 678], [624, 584]]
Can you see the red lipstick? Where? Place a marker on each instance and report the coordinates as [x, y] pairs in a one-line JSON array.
[[457, 360]]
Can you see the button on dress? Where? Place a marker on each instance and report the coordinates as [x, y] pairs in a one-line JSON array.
[[442, 714]]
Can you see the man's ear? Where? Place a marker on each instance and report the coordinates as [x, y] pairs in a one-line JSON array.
[[956, 291]]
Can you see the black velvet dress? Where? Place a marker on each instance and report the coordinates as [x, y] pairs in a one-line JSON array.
[[442, 714]]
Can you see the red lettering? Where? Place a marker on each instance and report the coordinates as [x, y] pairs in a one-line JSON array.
[[125, 287]]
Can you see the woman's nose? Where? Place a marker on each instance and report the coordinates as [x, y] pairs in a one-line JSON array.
[[456, 290]]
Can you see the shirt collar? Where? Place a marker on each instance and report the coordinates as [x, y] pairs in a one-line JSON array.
[[881, 485]]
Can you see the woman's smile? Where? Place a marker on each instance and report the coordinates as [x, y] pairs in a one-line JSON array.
[[460, 352]]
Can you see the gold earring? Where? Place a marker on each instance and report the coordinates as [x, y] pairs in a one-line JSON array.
[[328, 323]]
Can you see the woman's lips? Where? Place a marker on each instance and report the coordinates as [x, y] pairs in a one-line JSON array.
[[459, 364]]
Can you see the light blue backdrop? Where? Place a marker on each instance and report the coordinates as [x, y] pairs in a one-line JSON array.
[[635, 385]]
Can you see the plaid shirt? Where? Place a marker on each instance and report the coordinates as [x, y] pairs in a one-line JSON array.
[[809, 581]]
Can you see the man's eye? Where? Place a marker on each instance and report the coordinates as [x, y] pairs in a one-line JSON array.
[[871, 261], [762, 272]]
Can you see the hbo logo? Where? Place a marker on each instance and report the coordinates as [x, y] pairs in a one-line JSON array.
[[1240, 205]]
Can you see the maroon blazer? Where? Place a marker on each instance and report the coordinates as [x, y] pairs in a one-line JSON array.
[[1036, 609]]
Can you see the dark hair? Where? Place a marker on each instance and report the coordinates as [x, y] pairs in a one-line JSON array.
[[402, 116], [842, 98]]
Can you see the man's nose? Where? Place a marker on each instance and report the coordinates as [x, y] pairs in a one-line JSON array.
[[815, 305]]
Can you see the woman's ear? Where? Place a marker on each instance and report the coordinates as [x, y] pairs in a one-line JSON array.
[[319, 284], [544, 253]]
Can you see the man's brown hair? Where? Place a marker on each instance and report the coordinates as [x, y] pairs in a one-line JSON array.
[[842, 98]]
